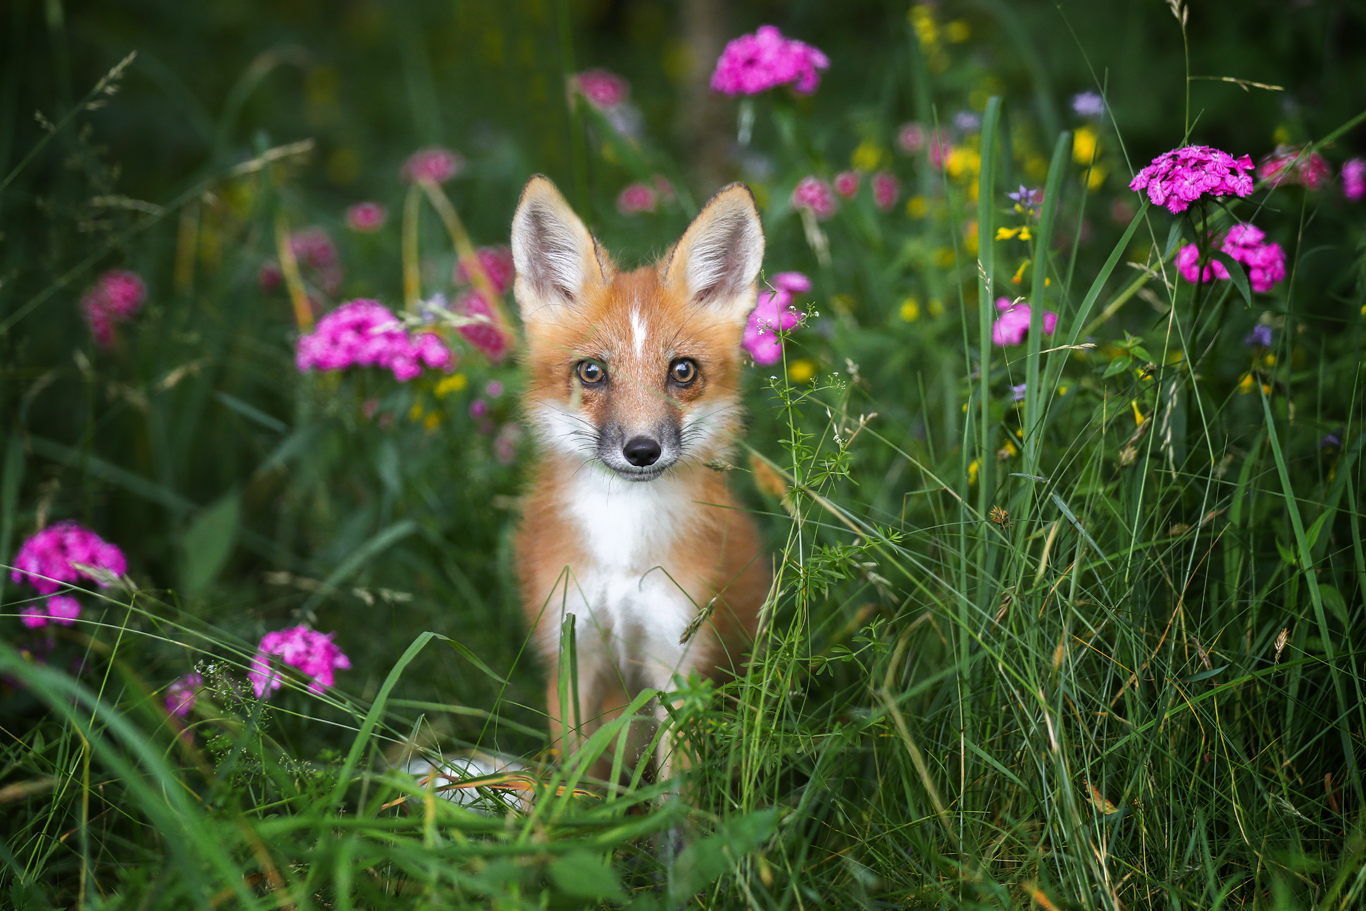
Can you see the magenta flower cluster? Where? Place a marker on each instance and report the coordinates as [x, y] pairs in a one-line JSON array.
[[317, 258], [432, 165], [366, 217], [312, 652], [814, 194], [1291, 164], [1011, 327], [114, 298], [603, 89], [486, 333], [1178, 178], [497, 265], [755, 63], [772, 314], [183, 693], [1354, 179], [364, 333], [48, 558], [59, 609], [1265, 262]]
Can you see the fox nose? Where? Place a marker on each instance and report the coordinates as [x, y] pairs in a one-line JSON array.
[[641, 452]]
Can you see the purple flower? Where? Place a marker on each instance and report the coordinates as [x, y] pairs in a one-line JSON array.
[[1259, 337], [364, 333], [1290, 164], [1330, 441], [1354, 179], [1088, 104], [885, 190], [182, 694], [114, 298], [814, 194], [1027, 200], [755, 63], [636, 198], [313, 653], [432, 165], [1178, 178], [603, 88], [1017, 393], [33, 617], [497, 265], [47, 558], [1265, 263], [774, 312], [967, 122], [366, 217], [910, 138], [1011, 327]]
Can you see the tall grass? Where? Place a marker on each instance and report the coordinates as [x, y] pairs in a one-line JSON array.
[[1091, 647]]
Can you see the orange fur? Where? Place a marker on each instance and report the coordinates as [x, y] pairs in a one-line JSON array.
[[633, 550]]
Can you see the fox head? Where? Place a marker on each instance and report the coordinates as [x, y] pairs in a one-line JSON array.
[[635, 371]]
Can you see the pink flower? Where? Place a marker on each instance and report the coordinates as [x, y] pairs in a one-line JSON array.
[[910, 138], [1354, 179], [33, 617], [183, 693], [317, 258], [664, 190], [432, 165], [485, 334], [774, 312], [846, 183], [63, 609], [755, 63], [1011, 327], [1265, 263], [602, 88], [1290, 164], [814, 194], [885, 190], [1178, 178], [498, 267], [47, 558], [364, 333], [366, 217], [635, 198], [114, 298], [938, 149], [313, 653]]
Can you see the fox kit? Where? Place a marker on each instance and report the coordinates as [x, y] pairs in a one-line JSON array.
[[633, 388]]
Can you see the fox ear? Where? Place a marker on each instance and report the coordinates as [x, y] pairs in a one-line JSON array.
[[719, 256], [555, 256]]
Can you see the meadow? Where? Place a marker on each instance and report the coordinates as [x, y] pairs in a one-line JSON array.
[[1054, 432]]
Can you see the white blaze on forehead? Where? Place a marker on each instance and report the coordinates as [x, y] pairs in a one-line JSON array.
[[638, 331]]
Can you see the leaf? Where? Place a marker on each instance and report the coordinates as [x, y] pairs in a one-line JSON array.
[[701, 862], [1117, 366], [1236, 273], [582, 874], [209, 542]]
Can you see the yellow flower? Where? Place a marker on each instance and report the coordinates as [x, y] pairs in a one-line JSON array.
[[1138, 415], [867, 157], [972, 472], [1019, 273], [970, 237], [1096, 176], [1281, 135], [963, 160], [1084, 145], [958, 31], [917, 207], [453, 383], [801, 370], [922, 18], [910, 310], [1007, 233], [415, 413], [1246, 384], [1269, 360]]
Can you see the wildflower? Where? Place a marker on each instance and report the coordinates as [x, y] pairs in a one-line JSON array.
[[755, 63], [910, 138], [910, 309], [313, 653], [479, 409], [63, 609], [1017, 393], [602, 88], [1178, 178], [967, 122], [867, 156], [814, 194], [33, 617], [182, 694], [505, 444], [483, 333], [432, 165], [1265, 263], [1088, 104], [1330, 441], [801, 370], [364, 333], [1292, 165], [635, 198], [1026, 201], [772, 314], [846, 183], [114, 298], [885, 190], [366, 217], [497, 266], [1085, 144], [1011, 327], [49, 557], [1354, 179], [1259, 337], [317, 258]]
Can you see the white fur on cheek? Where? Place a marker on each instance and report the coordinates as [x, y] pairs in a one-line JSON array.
[[709, 428], [563, 431]]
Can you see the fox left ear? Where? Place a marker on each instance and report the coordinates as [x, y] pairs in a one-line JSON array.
[[719, 256]]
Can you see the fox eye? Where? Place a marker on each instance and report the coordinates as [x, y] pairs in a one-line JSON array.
[[590, 373], [683, 371]]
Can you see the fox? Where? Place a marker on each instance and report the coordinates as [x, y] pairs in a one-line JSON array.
[[633, 396]]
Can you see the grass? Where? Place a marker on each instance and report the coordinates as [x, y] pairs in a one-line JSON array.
[[1094, 648]]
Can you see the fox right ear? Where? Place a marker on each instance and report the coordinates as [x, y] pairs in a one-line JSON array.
[[555, 256]]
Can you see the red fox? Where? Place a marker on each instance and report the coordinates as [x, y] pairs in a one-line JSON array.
[[633, 387]]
